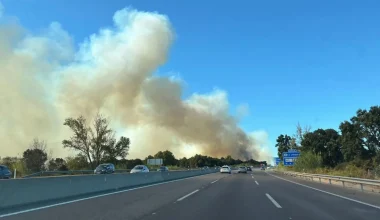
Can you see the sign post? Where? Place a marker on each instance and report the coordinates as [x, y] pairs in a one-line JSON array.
[[290, 157], [156, 162], [277, 160]]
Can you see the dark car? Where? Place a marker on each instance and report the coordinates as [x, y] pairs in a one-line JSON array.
[[163, 169], [105, 168], [5, 173], [249, 169]]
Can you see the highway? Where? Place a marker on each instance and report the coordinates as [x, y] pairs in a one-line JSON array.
[[256, 195]]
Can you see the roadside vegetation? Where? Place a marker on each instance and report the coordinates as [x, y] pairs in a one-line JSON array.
[[352, 151], [96, 143]]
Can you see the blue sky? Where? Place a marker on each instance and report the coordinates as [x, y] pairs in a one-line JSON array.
[[290, 61]]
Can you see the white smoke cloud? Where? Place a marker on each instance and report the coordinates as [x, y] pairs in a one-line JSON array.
[[261, 138], [45, 80]]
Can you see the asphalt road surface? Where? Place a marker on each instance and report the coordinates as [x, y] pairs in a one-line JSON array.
[[256, 195]]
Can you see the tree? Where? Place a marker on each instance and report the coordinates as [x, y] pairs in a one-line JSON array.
[[81, 140], [300, 133], [369, 122], [352, 143], [325, 143], [102, 138], [283, 144], [183, 162], [57, 164], [115, 150], [78, 162], [97, 143], [167, 156], [34, 159], [38, 144]]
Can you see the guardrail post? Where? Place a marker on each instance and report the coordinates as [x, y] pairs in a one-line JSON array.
[[320, 180], [343, 183], [330, 181], [361, 187]]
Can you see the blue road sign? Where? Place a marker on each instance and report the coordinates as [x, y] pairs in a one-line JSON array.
[[292, 154], [277, 160], [290, 157]]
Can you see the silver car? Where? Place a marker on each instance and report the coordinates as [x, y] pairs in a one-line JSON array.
[[225, 169], [242, 170], [140, 169], [163, 169]]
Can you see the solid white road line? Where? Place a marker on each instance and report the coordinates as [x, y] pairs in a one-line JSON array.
[[91, 197], [256, 183], [214, 181], [273, 201], [333, 194], [184, 197]]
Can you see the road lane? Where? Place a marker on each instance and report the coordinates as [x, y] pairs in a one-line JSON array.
[[304, 203], [368, 197], [220, 197], [238, 197], [128, 205], [235, 197]]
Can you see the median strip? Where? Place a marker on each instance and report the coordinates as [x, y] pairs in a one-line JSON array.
[[273, 201], [184, 197]]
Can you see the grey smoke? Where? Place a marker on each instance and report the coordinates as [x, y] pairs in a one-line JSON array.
[[45, 80]]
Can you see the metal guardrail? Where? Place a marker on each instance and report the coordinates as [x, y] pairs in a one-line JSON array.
[[363, 184]]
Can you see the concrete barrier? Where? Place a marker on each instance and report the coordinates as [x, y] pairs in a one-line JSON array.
[[20, 192]]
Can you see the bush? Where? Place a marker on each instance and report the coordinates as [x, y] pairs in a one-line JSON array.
[[308, 162]]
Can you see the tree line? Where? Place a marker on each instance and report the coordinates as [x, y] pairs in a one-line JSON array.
[[357, 142], [96, 144]]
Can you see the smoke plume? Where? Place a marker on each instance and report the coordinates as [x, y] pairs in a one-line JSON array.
[[44, 79]]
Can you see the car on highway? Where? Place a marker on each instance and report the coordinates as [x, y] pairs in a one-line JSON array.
[[225, 169], [5, 173], [249, 169], [163, 169], [242, 170], [140, 169], [262, 167], [105, 168]]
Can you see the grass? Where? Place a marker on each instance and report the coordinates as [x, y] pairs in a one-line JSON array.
[[347, 170]]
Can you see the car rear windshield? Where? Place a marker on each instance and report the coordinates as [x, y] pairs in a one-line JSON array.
[[139, 167], [225, 167]]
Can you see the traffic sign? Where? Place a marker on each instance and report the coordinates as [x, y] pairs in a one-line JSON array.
[[290, 157], [290, 154], [277, 160]]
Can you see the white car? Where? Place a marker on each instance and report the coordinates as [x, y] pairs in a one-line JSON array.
[[140, 169], [225, 169]]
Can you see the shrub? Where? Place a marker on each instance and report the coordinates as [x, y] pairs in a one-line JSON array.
[[308, 162]]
